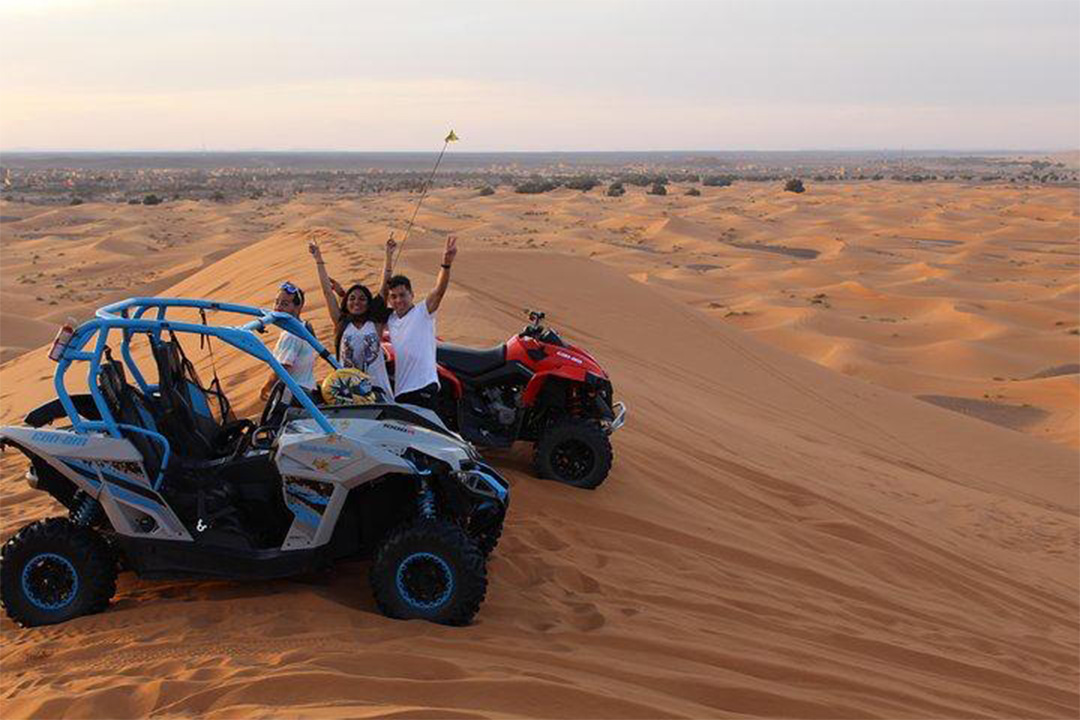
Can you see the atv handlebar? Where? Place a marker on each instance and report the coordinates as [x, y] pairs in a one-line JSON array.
[[536, 329], [536, 317]]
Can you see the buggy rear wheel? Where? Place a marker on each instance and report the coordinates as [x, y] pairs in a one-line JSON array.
[[54, 570], [429, 570]]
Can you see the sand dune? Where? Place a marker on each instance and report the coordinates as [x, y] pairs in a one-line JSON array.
[[775, 539]]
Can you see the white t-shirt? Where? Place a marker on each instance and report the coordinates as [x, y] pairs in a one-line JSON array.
[[300, 357], [413, 339], [361, 348]]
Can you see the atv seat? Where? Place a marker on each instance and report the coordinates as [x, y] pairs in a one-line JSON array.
[[468, 361]]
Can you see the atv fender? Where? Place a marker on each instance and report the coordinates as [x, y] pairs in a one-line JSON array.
[[536, 384]]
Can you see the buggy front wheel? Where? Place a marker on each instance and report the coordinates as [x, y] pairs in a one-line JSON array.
[[429, 570]]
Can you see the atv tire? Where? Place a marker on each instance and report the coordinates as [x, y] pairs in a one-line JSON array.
[[430, 570], [54, 570], [575, 452], [488, 539]]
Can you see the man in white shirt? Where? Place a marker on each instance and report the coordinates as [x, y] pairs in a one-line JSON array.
[[412, 330], [294, 354]]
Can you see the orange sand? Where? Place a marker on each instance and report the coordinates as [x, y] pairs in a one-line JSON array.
[[776, 538]]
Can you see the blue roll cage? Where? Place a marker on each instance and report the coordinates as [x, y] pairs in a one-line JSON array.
[[128, 317]]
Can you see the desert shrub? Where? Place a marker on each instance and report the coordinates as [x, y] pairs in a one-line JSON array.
[[693, 192], [616, 189], [657, 189], [718, 180], [535, 186], [151, 199], [642, 180], [794, 185], [134, 201], [76, 201], [486, 190], [218, 196], [584, 183]]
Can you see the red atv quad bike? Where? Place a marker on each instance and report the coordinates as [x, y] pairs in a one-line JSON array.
[[537, 388]]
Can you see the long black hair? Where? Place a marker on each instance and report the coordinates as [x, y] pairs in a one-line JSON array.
[[376, 312]]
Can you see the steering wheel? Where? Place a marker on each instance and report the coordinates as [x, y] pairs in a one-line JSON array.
[[261, 436], [235, 437], [272, 403]]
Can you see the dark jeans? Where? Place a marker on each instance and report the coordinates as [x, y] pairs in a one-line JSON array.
[[424, 397]]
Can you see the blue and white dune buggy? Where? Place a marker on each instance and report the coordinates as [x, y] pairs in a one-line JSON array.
[[162, 479]]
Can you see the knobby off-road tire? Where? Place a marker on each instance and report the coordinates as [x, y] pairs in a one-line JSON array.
[[54, 570], [431, 570], [574, 451], [488, 539]]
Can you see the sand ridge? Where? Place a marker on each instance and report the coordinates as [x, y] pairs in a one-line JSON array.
[[776, 539]]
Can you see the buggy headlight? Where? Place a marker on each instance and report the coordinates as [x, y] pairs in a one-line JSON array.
[[482, 482]]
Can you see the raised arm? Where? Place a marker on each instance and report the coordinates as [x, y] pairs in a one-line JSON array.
[[434, 298], [325, 282], [388, 263]]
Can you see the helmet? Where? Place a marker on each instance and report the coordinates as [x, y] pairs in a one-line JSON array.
[[348, 386]]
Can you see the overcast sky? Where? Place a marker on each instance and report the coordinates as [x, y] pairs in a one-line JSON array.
[[551, 75]]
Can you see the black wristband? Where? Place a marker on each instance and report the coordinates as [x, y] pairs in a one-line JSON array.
[[445, 266]]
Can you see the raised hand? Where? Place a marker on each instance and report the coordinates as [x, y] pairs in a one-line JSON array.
[[313, 248], [391, 246], [450, 251]]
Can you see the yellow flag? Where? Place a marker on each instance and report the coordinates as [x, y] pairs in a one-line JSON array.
[[451, 137]]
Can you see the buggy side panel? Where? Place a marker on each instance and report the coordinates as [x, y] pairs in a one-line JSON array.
[[50, 443], [106, 468], [317, 471]]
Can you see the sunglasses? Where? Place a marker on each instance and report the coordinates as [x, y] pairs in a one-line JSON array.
[[293, 290]]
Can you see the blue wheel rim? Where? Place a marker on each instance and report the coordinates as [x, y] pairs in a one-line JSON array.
[[424, 581], [50, 581]]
